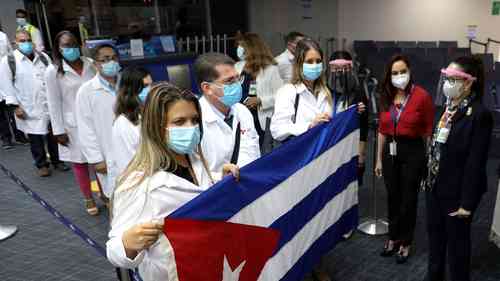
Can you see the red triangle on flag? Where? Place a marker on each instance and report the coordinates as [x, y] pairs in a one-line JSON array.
[[215, 251]]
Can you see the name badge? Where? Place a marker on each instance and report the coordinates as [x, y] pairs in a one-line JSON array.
[[443, 134], [393, 151]]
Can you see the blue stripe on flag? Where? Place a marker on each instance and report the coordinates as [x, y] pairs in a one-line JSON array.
[[321, 246], [293, 221], [226, 198]]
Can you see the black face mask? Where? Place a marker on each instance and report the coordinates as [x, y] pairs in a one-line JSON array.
[[343, 82]]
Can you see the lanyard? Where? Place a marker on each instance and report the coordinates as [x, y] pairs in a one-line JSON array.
[[396, 113]]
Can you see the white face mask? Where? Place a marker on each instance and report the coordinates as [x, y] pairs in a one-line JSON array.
[[401, 81], [452, 91]]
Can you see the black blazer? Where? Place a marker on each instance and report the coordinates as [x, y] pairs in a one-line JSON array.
[[462, 170]]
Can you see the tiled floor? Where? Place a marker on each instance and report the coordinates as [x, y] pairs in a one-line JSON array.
[[45, 250]]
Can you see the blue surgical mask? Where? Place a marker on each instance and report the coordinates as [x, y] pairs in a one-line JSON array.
[[111, 68], [232, 94], [25, 48], [312, 71], [184, 140], [21, 21], [144, 94], [240, 52], [70, 54]]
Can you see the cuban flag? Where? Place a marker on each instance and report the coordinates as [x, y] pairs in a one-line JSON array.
[[289, 208]]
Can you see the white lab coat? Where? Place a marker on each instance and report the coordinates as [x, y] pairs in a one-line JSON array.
[[61, 96], [94, 117], [154, 199], [125, 141], [218, 138], [29, 91], [285, 64], [309, 107], [5, 49], [268, 83]]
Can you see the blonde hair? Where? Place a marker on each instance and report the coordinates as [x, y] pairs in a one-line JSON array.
[[258, 55], [303, 46], [153, 153]]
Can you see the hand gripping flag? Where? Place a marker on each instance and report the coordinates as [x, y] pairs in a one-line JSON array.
[[289, 208]]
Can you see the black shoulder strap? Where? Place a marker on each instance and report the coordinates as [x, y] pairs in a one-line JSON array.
[[12, 65], [295, 106], [43, 59], [236, 149]]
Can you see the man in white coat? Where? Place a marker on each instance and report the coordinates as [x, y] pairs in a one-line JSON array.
[[229, 134], [286, 59], [95, 102], [24, 87], [23, 24]]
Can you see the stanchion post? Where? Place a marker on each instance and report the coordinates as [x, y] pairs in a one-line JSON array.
[[373, 225]]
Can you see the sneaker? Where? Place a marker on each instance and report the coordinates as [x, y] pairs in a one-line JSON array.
[[61, 167], [44, 172], [91, 207]]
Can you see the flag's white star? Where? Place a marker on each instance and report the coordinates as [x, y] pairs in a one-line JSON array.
[[230, 275]]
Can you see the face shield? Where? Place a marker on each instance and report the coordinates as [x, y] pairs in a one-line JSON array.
[[343, 76], [451, 85]]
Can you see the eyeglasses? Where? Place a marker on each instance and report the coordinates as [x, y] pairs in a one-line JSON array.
[[453, 80], [236, 79]]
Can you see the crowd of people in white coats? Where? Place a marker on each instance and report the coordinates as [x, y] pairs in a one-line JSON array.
[[153, 146]]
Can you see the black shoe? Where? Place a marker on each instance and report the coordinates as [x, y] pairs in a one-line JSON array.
[[61, 167], [400, 258], [386, 252], [8, 145]]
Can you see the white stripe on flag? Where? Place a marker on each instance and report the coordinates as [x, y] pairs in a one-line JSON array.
[[290, 253], [278, 201]]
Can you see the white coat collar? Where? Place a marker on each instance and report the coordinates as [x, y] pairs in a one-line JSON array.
[[87, 63], [289, 55], [302, 90], [20, 56], [211, 114]]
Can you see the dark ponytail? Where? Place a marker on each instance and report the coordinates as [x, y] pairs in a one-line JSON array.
[[474, 66]]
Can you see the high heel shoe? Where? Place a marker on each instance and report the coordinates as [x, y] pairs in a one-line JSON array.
[[389, 251]]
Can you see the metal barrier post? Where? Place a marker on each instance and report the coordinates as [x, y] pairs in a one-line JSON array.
[[196, 44], [225, 44], [373, 225]]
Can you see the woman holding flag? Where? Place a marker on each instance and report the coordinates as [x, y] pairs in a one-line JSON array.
[[167, 171]]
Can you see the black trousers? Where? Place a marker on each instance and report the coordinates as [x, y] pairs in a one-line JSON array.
[[449, 239], [402, 176], [7, 122], [5, 134], [39, 153]]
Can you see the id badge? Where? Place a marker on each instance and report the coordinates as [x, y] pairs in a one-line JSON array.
[[393, 151], [443, 134]]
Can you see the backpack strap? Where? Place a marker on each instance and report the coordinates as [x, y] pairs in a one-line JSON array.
[[236, 149], [11, 60], [43, 58], [295, 105]]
